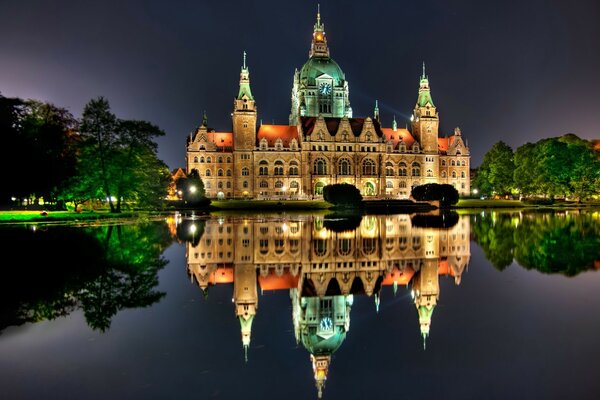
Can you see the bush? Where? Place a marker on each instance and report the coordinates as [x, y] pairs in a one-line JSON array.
[[342, 194], [445, 193]]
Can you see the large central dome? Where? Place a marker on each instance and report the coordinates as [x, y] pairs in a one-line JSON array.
[[318, 66]]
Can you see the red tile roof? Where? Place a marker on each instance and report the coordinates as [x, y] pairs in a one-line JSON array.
[[398, 134], [444, 143], [273, 132], [221, 139], [274, 282]]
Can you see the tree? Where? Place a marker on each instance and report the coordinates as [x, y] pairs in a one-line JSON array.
[[526, 169], [192, 188], [444, 193], [342, 194], [495, 175], [120, 157]]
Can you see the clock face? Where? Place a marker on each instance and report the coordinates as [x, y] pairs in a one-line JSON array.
[[325, 88], [326, 324]]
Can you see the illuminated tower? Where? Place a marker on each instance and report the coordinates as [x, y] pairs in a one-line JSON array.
[[320, 87], [244, 133], [426, 290], [425, 119], [245, 297]]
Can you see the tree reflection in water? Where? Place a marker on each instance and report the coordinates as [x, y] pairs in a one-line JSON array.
[[566, 242], [100, 270]]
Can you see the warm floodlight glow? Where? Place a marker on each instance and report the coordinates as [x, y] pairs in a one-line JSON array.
[[193, 189], [193, 228]]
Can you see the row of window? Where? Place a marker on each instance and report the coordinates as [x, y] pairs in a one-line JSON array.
[[208, 159]]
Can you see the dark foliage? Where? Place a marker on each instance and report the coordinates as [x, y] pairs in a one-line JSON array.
[[343, 194], [444, 220], [445, 193], [338, 222]]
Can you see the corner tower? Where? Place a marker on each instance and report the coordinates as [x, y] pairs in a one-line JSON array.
[[244, 114], [425, 119], [320, 87]]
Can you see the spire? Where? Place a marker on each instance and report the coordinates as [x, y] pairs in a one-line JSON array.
[[376, 111], [245, 82], [424, 91], [377, 302], [246, 353], [424, 341], [395, 128], [244, 66], [319, 47], [423, 76], [204, 119]]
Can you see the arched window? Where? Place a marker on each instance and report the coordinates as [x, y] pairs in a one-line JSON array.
[[201, 159], [245, 185], [344, 167], [462, 174], [402, 147], [245, 171], [228, 172], [320, 167], [443, 174], [429, 173], [453, 163], [294, 144], [263, 144], [220, 185], [293, 168], [228, 159], [263, 167], [208, 159], [443, 163], [368, 167], [368, 137], [196, 159], [463, 163], [264, 184], [278, 170], [228, 185], [415, 147], [416, 169], [402, 169], [402, 185], [454, 174], [293, 185], [345, 136], [389, 184], [219, 172], [319, 188], [207, 172], [278, 184], [220, 160], [389, 169]]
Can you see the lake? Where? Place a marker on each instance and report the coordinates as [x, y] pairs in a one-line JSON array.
[[487, 305]]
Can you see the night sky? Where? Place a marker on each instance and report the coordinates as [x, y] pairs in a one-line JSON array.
[[516, 71]]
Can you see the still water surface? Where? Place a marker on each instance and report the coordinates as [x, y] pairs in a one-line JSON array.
[[485, 306]]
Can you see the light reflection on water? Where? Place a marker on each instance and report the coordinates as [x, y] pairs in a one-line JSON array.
[[271, 299]]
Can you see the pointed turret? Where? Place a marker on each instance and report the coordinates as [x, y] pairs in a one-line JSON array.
[[244, 112], [376, 111], [394, 124], [320, 368], [246, 300], [318, 47], [425, 119], [246, 328]]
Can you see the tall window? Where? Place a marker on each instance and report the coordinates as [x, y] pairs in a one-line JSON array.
[[389, 169], [263, 167], [293, 168], [219, 172], [278, 167], [402, 169], [416, 169], [245, 171], [368, 167], [264, 184], [320, 167], [344, 167], [207, 172]]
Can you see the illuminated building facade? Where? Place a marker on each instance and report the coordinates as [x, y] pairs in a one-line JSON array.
[[324, 144], [324, 269]]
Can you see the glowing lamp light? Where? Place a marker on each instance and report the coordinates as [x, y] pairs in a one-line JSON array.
[[193, 229], [193, 189]]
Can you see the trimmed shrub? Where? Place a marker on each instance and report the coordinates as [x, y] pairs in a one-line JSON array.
[[445, 193], [342, 194]]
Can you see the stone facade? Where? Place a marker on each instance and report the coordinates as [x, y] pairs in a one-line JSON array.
[[323, 144]]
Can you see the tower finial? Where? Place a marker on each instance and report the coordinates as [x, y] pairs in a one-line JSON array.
[[246, 353], [244, 59], [318, 14], [423, 69]]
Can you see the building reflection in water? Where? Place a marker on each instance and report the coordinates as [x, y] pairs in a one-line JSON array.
[[324, 267]]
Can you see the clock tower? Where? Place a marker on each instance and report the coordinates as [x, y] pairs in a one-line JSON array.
[[244, 113]]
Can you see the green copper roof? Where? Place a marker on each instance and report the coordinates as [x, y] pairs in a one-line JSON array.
[[245, 88], [425, 312], [317, 345], [317, 66], [424, 94]]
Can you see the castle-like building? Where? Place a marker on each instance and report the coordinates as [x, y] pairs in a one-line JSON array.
[[323, 269], [324, 144]]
